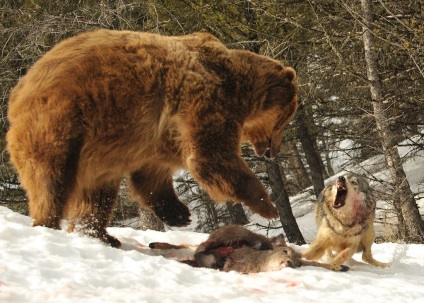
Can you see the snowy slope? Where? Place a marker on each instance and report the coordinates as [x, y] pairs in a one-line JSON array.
[[40, 265], [44, 265]]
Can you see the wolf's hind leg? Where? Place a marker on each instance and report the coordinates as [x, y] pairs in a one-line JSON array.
[[367, 257], [366, 243]]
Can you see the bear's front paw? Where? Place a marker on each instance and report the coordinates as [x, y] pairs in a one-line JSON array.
[[263, 207], [268, 211], [251, 193], [173, 213]]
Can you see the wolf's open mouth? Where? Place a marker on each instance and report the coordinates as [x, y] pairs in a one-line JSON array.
[[341, 193]]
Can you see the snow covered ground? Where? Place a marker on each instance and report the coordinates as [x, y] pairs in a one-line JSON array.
[[38, 264], [41, 265]]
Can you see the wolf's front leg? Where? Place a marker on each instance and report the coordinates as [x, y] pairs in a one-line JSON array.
[[342, 257], [315, 250]]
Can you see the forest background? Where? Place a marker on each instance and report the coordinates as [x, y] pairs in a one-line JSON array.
[[361, 88]]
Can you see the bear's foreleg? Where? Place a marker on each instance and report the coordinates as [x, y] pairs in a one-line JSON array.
[[212, 153], [153, 188], [233, 180]]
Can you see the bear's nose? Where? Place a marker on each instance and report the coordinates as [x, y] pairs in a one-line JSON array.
[[268, 149]]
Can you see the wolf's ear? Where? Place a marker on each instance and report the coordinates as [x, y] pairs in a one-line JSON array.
[[278, 241], [371, 200]]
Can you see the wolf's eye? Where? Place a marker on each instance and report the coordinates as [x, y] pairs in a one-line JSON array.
[[354, 183]]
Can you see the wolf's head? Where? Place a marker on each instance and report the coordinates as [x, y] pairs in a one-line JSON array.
[[279, 258], [351, 195]]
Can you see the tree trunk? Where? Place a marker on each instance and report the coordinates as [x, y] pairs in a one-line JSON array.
[[237, 214], [312, 156], [328, 165], [299, 172], [279, 195], [321, 161], [150, 221], [404, 200], [212, 221]]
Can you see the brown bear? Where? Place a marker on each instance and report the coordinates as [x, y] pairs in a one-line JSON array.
[[105, 104]]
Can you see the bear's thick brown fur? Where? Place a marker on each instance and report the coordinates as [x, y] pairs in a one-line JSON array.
[[108, 103]]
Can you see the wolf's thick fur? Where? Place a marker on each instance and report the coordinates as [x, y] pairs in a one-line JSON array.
[[345, 214], [251, 260], [235, 248], [108, 103], [214, 252]]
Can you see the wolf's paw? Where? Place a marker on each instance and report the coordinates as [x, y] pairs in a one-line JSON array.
[[367, 257], [379, 264], [383, 265], [342, 268]]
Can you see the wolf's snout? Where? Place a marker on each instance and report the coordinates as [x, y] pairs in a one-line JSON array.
[[341, 182]]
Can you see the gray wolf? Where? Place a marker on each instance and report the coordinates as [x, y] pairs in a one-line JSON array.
[[344, 213], [235, 248]]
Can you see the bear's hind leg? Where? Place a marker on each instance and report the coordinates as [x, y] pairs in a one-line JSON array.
[[47, 199], [48, 178], [94, 212], [44, 142], [153, 189]]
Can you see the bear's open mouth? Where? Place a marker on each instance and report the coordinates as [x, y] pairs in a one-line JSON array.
[[341, 195]]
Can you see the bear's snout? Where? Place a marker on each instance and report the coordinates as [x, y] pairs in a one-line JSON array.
[[268, 149], [260, 148]]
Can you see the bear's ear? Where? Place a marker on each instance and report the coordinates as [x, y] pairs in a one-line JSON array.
[[289, 73]]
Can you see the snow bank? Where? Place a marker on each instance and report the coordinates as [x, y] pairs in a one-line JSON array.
[[44, 265]]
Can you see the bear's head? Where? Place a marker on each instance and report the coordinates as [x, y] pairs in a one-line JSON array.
[[276, 103]]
